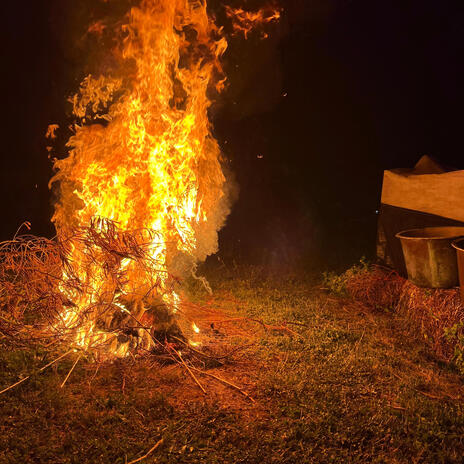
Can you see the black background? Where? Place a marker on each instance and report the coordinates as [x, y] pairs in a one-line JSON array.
[[340, 91]]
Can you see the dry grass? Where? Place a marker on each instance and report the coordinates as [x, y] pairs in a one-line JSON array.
[[350, 387]]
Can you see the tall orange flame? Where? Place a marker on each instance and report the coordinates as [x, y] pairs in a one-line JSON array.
[[143, 156], [143, 172]]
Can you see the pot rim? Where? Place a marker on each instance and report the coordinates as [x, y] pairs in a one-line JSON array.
[[454, 244], [456, 232]]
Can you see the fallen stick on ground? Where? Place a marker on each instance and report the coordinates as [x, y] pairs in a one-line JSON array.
[[158, 443], [189, 371], [230, 384], [72, 368], [40, 370], [208, 356]]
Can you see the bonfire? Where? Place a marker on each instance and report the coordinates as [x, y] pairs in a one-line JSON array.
[[141, 193]]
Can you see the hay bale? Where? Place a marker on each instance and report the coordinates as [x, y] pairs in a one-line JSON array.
[[437, 314]]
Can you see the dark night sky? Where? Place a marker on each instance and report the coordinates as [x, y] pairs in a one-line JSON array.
[[369, 85]]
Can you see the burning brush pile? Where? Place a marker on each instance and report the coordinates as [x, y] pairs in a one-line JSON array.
[[89, 303], [141, 193]]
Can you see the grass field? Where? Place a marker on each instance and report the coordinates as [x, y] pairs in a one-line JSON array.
[[344, 384]]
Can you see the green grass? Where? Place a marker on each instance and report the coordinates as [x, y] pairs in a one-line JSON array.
[[351, 388]]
